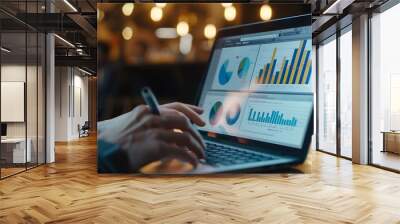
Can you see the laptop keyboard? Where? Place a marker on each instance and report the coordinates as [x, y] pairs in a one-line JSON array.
[[223, 155]]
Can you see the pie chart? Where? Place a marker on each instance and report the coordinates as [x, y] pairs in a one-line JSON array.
[[233, 114], [224, 76], [215, 113], [243, 67]]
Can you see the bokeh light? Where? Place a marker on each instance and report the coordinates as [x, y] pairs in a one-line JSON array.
[[161, 5], [230, 13], [210, 31], [127, 9], [156, 14], [185, 44], [265, 12], [226, 4], [127, 33], [182, 28]]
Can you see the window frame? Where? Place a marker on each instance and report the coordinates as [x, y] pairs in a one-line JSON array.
[[378, 10], [27, 29], [334, 34]]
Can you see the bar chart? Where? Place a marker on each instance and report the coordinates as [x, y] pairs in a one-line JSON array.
[[273, 117], [286, 65], [281, 119]]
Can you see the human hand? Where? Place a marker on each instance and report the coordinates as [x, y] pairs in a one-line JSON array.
[[145, 137], [190, 111]]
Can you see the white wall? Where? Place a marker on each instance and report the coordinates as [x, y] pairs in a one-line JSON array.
[[33, 126], [12, 101], [61, 103], [16, 73], [80, 110], [71, 87]]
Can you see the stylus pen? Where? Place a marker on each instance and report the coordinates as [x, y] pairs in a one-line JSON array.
[[150, 100]]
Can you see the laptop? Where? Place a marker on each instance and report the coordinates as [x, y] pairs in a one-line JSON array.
[[258, 96]]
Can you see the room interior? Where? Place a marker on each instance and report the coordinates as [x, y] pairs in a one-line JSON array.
[[49, 78], [22, 105]]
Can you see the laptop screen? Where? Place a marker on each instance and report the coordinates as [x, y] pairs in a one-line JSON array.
[[259, 87]]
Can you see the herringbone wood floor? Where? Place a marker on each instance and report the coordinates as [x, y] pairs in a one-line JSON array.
[[70, 191]]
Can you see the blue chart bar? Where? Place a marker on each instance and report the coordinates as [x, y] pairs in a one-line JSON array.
[[269, 78], [276, 77], [303, 45], [275, 117], [304, 67], [265, 73], [308, 76], [291, 65], [284, 72]]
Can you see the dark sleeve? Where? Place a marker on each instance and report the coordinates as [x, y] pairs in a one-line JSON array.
[[110, 158]]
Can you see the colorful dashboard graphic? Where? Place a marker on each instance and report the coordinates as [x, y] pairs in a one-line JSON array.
[[277, 120], [275, 117], [233, 114], [292, 69], [215, 113], [244, 67], [235, 67], [224, 75]]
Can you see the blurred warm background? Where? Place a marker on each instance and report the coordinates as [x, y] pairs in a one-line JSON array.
[[165, 46]]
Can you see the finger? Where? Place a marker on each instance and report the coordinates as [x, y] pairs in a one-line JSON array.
[[195, 108], [182, 123], [178, 152], [172, 120], [140, 111], [174, 105], [149, 121], [182, 139], [192, 112]]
